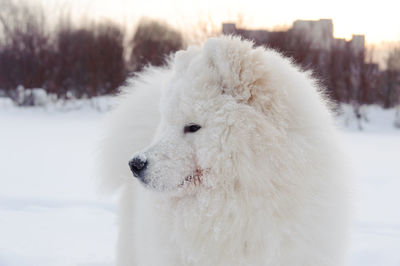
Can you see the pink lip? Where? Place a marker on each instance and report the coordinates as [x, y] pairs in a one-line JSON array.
[[196, 178]]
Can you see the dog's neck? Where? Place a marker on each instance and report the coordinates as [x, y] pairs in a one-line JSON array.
[[212, 217]]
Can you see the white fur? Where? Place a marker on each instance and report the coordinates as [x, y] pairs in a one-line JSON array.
[[273, 184]]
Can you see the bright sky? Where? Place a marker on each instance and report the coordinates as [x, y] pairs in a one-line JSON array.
[[378, 20]]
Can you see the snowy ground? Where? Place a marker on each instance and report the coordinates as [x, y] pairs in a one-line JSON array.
[[50, 215]]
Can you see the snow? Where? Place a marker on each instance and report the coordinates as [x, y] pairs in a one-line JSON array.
[[374, 119], [376, 232], [50, 214], [49, 211]]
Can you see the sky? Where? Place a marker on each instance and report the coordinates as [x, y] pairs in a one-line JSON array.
[[378, 20]]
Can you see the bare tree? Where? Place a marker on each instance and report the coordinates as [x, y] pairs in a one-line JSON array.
[[85, 60], [201, 30], [24, 51], [391, 90], [152, 42], [89, 60], [393, 59]]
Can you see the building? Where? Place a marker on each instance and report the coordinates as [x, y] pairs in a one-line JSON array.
[[318, 32]]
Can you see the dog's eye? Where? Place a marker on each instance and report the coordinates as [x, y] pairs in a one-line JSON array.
[[191, 128]]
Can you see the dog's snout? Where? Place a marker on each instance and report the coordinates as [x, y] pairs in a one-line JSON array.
[[137, 165]]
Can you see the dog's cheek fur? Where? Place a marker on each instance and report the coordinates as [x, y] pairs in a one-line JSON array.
[[171, 158], [233, 146]]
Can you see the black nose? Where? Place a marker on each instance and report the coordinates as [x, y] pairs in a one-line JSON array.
[[137, 166]]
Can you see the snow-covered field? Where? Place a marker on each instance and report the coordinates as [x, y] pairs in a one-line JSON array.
[[50, 214]]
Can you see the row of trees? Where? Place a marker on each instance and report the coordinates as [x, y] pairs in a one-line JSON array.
[[349, 74], [88, 60], [96, 58]]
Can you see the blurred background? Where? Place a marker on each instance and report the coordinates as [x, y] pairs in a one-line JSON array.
[[62, 62]]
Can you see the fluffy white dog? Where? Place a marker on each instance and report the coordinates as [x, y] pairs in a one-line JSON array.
[[233, 160]]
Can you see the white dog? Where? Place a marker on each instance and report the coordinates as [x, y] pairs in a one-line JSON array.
[[235, 161]]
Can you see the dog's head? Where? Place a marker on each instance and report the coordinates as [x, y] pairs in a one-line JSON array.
[[224, 117]]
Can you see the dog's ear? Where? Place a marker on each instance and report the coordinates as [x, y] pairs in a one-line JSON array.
[[240, 67], [183, 58]]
